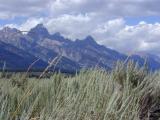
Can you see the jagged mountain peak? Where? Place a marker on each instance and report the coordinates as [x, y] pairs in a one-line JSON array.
[[83, 52], [57, 36], [40, 28], [10, 30], [90, 40], [40, 25], [39, 32]]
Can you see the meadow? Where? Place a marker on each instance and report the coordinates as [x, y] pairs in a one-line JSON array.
[[125, 93]]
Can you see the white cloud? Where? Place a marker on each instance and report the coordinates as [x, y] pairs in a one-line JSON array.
[[101, 8], [27, 25], [30, 23], [104, 19], [70, 26], [13, 8], [140, 37], [106, 8], [112, 33]]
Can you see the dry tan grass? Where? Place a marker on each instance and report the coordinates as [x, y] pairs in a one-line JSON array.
[[89, 95]]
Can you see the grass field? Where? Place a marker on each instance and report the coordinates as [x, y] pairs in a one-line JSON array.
[[125, 93]]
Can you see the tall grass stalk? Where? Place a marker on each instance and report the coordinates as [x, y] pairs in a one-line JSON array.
[[90, 95]]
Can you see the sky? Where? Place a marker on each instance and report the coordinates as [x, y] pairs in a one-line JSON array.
[[125, 25]]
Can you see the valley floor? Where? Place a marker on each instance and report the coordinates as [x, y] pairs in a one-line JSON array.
[[126, 93]]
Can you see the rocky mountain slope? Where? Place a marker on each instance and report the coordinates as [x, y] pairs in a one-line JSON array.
[[19, 50]]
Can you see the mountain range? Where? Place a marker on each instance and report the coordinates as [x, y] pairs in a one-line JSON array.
[[18, 51]]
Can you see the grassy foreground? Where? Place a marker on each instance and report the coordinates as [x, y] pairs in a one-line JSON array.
[[126, 93]]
